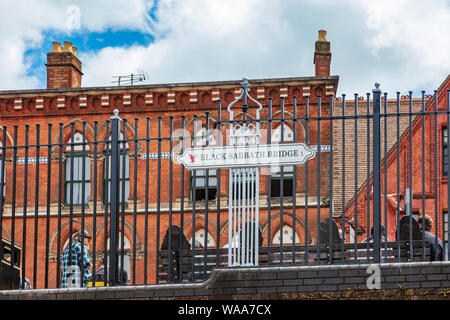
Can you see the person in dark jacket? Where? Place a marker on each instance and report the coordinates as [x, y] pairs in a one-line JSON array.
[[383, 235], [178, 242], [383, 238], [436, 246]]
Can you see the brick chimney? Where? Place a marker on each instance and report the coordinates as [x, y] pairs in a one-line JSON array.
[[322, 55], [63, 67]]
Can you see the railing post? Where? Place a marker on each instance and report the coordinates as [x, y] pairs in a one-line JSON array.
[[376, 173], [114, 205]]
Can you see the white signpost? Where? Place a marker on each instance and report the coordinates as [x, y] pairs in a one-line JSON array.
[[246, 156], [243, 157]]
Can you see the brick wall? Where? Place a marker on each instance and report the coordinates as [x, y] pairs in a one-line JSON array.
[[73, 106], [417, 163], [424, 280], [356, 144]]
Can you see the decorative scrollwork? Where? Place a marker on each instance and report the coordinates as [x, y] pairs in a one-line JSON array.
[[244, 133]]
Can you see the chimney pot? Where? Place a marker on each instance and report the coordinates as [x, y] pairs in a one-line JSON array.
[[63, 67], [56, 47], [322, 55], [322, 35]]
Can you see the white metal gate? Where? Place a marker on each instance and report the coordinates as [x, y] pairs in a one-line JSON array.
[[243, 208]]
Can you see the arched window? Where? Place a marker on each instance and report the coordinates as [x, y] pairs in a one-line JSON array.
[[124, 173], [444, 151], [288, 236], [288, 135], [203, 138], [74, 179], [198, 193], [234, 241], [199, 239], [445, 233], [288, 171], [2, 183], [125, 250], [126, 243]]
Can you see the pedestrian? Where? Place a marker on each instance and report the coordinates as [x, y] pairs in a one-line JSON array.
[[75, 259], [436, 247], [383, 238], [383, 235]]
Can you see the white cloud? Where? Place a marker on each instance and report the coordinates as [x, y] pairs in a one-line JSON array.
[[402, 44], [414, 34], [212, 40], [23, 24]]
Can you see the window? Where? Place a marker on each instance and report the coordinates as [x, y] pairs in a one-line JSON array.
[[234, 241], [4, 171], [74, 173], [288, 183], [248, 230], [445, 235], [202, 140], [74, 180], [288, 236], [124, 173], [126, 250], [288, 134], [124, 178], [199, 192], [78, 139], [199, 239], [288, 171], [444, 151]]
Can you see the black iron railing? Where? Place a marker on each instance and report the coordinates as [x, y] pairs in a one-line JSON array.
[[150, 220]]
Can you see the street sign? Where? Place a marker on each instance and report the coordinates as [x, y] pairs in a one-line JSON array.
[[246, 156]]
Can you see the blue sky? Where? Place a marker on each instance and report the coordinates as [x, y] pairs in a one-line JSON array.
[[401, 44], [84, 41]]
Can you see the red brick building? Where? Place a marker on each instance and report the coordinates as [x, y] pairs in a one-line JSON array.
[[417, 161], [37, 178]]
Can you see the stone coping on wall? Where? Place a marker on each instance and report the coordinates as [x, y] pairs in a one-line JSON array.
[[287, 282]]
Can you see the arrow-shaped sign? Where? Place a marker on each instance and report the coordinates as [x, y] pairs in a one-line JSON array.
[[246, 156]]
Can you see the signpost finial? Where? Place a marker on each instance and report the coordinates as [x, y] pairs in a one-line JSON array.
[[116, 114], [245, 88]]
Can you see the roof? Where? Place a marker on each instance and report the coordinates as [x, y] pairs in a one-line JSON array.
[[344, 184], [174, 86], [348, 173]]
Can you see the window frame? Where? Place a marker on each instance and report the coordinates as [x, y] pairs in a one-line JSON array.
[[198, 235], [126, 251], [67, 181], [444, 148], [4, 174], [202, 188], [445, 234], [201, 141], [293, 234], [107, 177], [288, 171]]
